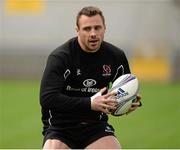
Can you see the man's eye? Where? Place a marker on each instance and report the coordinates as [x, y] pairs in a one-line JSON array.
[[87, 29], [98, 27]]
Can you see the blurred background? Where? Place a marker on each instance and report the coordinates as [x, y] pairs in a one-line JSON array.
[[147, 30]]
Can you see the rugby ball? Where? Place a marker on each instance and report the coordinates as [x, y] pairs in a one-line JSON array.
[[126, 87]]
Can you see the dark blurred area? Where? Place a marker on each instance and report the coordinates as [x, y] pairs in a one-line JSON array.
[[147, 30]]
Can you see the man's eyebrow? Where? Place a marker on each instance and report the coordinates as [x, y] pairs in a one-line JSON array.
[[87, 27], [92, 26]]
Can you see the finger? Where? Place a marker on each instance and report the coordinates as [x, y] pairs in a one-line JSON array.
[[136, 104], [140, 104], [104, 110], [111, 94], [111, 102], [132, 108], [138, 97], [102, 90], [108, 111], [108, 106]]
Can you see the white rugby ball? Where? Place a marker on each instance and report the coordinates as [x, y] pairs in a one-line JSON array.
[[127, 87]]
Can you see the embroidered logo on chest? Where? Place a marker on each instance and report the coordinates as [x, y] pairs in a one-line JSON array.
[[78, 72], [89, 82], [106, 70]]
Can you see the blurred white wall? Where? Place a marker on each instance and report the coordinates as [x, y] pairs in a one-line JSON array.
[[130, 24]]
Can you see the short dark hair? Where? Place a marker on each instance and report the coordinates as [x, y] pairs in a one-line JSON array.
[[89, 11]]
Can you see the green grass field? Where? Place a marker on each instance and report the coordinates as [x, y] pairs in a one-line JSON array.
[[155, 125]]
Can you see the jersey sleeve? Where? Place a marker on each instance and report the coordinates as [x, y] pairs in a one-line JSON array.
[[52, 83], [122, 65], [125, 64]]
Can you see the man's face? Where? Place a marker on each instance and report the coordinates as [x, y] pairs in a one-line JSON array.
[[90, 32]]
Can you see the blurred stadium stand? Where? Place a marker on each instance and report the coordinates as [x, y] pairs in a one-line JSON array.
[[148, 31]]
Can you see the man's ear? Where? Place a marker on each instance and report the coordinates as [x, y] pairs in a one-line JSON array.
[[77, 29], [105, 27]]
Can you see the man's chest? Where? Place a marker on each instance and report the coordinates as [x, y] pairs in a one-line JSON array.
[[89, 78]]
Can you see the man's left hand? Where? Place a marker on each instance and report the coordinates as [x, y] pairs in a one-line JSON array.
[[135, 104]]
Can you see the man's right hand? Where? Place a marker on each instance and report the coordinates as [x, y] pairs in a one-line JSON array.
[[103, 103]]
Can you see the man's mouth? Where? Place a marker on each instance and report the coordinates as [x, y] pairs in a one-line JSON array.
[[93, 41]]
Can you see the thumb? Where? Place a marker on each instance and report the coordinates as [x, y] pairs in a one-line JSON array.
[[103, 90]]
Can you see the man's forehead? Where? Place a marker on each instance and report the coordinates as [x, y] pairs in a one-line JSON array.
[[90, 21]]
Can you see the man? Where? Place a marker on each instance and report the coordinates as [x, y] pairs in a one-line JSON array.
[[73, 95]]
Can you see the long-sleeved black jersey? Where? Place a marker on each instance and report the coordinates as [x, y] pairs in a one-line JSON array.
[[72, 76]]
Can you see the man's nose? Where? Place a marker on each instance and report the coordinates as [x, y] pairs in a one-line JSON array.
[[93, 33]]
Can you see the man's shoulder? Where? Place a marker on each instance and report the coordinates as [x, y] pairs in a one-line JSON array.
[[64, 49], [112, 48]]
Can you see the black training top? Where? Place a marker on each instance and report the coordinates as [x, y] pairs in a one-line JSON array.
[[72, 76]]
